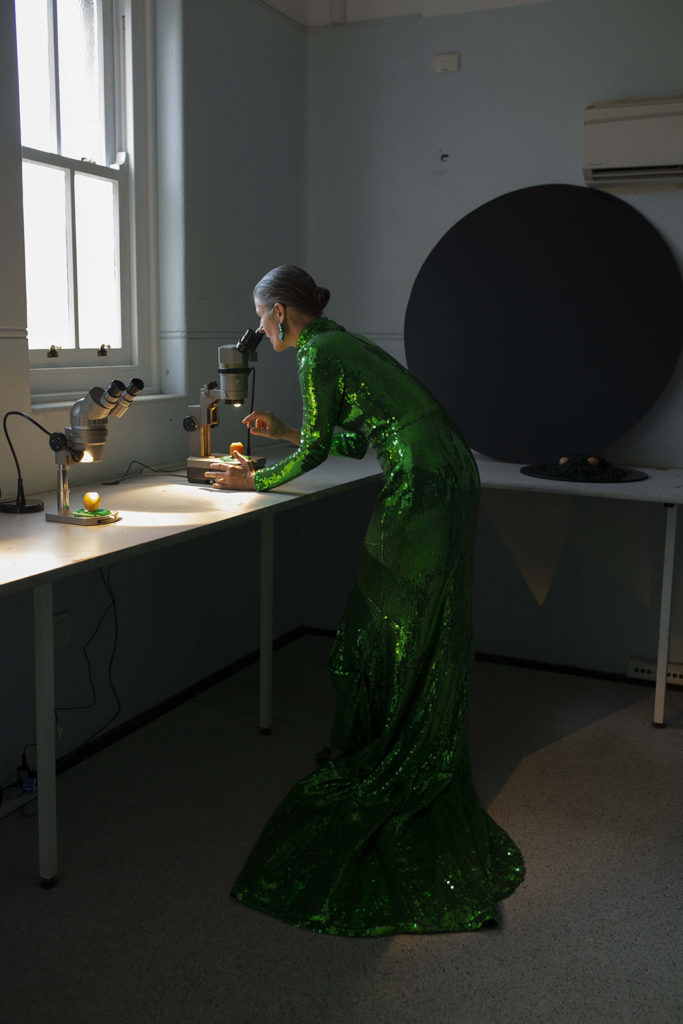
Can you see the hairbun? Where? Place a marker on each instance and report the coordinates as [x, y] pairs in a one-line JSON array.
[[294, 287]]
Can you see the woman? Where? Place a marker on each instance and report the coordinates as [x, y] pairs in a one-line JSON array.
[[387, 835]]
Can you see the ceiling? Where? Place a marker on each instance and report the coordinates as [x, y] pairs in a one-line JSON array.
[[323, 13]]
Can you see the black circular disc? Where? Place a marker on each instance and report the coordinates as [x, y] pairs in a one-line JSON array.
[[547, 321]]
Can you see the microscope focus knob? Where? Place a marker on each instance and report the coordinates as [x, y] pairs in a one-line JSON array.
[[57, 441], [190, 423]]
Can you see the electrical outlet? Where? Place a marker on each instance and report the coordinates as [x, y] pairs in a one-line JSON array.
[[61, 630], [646, 669], [445, 62]]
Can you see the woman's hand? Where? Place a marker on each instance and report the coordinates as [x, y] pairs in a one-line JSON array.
[[267, 424], [232, 478]]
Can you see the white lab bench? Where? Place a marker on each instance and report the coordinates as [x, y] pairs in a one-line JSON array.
[[155, 511], [158, 511]]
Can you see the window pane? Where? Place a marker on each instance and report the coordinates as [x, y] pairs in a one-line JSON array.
[[97, 261], [35, 76], [47, 270], [80, 79]]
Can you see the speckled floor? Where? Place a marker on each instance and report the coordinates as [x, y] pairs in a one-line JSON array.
[[153, 830]]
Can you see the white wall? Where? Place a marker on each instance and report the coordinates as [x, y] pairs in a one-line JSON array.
[[14, 392], [552, 582]]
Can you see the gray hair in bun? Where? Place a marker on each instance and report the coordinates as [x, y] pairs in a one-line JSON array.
[[291, 286]]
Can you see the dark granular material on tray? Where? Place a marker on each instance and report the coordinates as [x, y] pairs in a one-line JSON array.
[[578, 468]]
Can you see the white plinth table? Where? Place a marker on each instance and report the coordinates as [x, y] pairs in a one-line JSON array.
[[662, 487]]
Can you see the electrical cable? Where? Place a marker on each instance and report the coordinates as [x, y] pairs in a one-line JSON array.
[[58, 442], [135, 462], [253, 397], [105, 577], [112, 596], [83, 707], [15, 412], [20, 500]]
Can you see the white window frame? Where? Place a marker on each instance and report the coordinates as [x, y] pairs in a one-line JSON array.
[[131, 143]]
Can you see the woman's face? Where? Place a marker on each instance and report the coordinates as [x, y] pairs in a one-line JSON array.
[[269, 323]]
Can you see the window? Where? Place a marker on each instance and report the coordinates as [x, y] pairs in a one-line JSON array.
[[86, 112]]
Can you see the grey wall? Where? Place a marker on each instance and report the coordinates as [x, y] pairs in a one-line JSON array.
[[380, 197], [552, 583], [239, 210]]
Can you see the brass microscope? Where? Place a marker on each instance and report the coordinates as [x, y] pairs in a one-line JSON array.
[[232, 388]]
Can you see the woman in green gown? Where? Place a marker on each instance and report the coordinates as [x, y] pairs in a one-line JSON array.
[[387, 835]]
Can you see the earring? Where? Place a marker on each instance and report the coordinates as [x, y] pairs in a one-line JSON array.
[[281, 331]]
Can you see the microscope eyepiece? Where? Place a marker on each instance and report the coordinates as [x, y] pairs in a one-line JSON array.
[[126, 396], [249, 341]]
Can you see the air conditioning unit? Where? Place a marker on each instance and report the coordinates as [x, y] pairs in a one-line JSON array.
[[634, 143]]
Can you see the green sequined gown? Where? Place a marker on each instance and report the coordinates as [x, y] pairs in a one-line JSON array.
[[390, 836]]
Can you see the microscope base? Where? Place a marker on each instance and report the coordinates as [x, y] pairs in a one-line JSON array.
[[197, 465], [63, 517]]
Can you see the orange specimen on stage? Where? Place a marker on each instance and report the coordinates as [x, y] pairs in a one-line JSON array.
[[91, 501]]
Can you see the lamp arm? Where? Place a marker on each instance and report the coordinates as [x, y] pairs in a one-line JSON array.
[[21, 497], [15, 412], [20, 504]]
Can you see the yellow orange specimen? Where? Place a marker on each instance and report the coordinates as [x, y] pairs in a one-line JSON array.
[[91, 501]]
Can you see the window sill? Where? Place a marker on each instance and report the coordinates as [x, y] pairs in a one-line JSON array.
[[66, 401]]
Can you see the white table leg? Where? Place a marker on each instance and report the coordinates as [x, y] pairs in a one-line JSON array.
[[665, 614], [266, 638], [45, 735]]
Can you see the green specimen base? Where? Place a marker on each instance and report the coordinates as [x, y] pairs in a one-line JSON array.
[[81, 517]]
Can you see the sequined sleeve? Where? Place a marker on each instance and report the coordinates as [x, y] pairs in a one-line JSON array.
[[350, 444], [321, 378]]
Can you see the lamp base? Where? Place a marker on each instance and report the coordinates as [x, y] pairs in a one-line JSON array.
[[17, 508], [82, 520]]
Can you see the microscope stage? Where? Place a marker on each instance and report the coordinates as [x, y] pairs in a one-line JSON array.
[[99, 518]]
